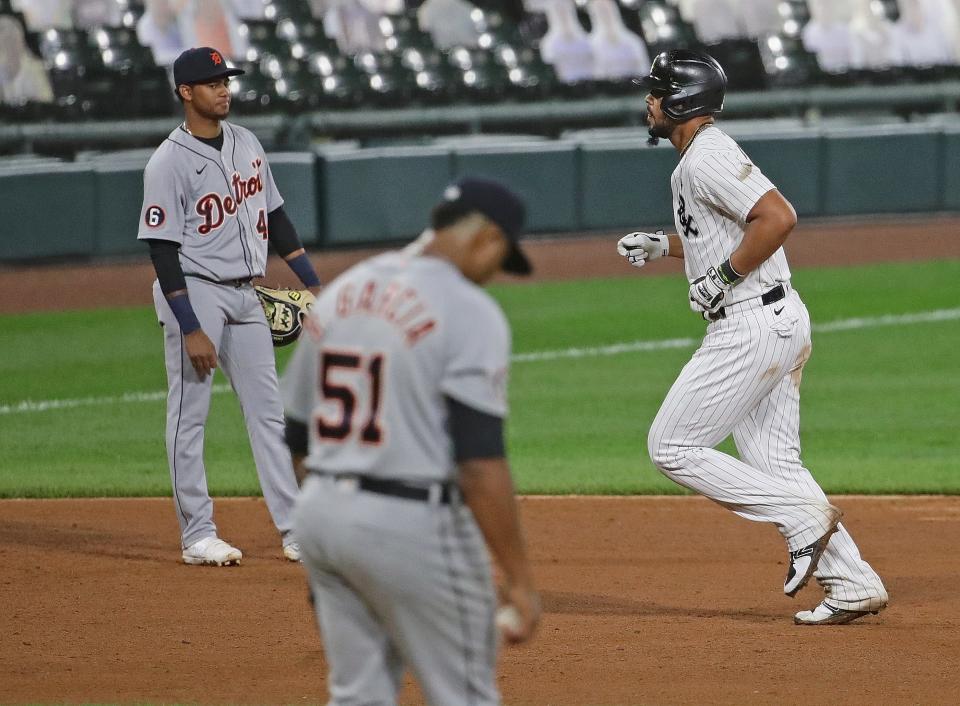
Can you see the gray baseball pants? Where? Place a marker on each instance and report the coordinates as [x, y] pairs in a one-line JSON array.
[[233, 319], [398, 583]]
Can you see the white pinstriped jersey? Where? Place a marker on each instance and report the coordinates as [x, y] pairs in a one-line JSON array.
[[714, 187], [213, 203], [385, 343]]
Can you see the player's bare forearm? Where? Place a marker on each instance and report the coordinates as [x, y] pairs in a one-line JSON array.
[[676, 246], [488, 490], [201, 351], [768, 224]]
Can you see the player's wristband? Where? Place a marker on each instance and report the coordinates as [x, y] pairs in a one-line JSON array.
[[728, 275], [183, 310], [303, 268]]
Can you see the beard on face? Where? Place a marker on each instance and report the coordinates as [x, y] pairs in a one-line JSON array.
[[661, 128]]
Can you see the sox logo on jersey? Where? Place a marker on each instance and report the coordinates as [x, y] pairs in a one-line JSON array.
[[685, 220]]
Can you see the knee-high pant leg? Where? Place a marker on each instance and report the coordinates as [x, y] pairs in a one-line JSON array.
[[742, 360], [768, 439]]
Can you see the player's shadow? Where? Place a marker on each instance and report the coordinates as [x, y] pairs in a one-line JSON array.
[[566, 603], [79, 540]]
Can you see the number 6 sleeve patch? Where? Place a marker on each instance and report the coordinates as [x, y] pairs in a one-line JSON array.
[[154, 217]]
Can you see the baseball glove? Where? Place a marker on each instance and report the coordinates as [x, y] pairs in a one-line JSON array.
[[285, 310]]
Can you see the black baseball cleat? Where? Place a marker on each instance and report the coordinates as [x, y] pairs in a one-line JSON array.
[[803, 562]]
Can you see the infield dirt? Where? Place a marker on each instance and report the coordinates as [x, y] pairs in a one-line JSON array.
[[647, 600]]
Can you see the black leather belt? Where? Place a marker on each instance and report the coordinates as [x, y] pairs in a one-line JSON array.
[[236, 283], [768, 297], [396, 488]]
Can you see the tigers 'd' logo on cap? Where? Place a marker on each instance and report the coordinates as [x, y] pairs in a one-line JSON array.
[[216, 58]]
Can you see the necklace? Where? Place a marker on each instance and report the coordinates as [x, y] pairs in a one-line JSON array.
[[189, 132], [690, 141]]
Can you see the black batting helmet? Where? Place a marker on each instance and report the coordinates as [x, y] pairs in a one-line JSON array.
[[690, 83]]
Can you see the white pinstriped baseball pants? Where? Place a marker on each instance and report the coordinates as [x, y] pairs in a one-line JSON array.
[[745, 380]]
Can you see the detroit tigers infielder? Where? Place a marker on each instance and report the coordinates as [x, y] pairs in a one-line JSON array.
[[745, 377], [396, 395], [210, 206]]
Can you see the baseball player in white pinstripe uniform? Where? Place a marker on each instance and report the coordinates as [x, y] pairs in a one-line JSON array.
[[745, 377]]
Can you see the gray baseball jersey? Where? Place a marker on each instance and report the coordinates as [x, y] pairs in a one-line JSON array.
[[399, 582], [396, 336], [745, 378], [215, 205]]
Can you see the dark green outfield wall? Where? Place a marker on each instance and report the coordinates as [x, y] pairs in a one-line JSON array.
[[347, 195]]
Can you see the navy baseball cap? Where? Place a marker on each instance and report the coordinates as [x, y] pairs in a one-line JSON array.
[[500, 205], [201, 64]]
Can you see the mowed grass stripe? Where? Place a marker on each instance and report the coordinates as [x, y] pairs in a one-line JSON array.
[[25, 406], [879, 404]]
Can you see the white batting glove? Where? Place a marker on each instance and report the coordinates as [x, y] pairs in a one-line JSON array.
[[707, 292], [639, 247]]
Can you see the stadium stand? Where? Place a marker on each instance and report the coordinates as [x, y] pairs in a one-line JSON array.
[[544, 53]]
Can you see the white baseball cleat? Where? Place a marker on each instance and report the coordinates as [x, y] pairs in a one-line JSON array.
[[291, 552], [212, 551], [826, 614], [804, 561]]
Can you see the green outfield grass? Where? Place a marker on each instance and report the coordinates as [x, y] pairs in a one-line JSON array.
[[881, 405]]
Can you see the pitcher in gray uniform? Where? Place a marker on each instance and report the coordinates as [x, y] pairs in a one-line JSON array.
[[396, 395], [210, 207]]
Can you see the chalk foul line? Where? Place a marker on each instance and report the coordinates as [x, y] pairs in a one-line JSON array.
[[851, 324]]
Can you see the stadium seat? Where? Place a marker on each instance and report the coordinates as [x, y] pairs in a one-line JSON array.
[[795, 14], [120, 49], [493, 28], [262, 40], [529, 78], [152, 95], [741, 60], [389, 82], [480, 78], [341, 84], [133, 10], [80, 82], [297, 10], [662, 28], [296, 86], [305, 38], [402, 31], [436, 82], [254, 91], [787, 63], [61, 48]]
